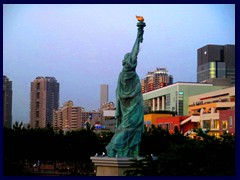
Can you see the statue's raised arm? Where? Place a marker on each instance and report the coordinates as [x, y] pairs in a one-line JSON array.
[[129, 105], [139, 38]]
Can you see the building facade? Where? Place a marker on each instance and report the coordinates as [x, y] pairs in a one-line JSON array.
[[216, 61], [93, 117], [44, 100], [150, 119], [227, 121], [156, 79], [67, 117], [7, 102], [103, 94], [70, 117], [170, 123], [174, 97], [213, 111]]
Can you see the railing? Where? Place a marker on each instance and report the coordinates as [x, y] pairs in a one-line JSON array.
[[209, 102]]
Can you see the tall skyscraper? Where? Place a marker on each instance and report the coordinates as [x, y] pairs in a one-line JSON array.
[[7, 102], [216, 61], [103, 94], [44, 100], [156, 79]]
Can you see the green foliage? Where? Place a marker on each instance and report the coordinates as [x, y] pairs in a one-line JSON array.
[[179, 156], [176, 155], [104, 138], [22, 144], [154, 141]]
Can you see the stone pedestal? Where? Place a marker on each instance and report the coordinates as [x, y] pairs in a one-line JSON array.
[[109, 166]]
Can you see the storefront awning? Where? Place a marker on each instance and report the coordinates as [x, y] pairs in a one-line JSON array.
[[192, 119]]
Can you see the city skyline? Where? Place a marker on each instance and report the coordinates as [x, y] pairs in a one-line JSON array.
[[82, 46]]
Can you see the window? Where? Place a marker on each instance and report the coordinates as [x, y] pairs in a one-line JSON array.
[[207, 124], [221, 69], [37, 114], [37, 124], [212, 70], [38, 95], [230, 121], [224, 124], [180, 108], [160, 125], [216, 124], [167, 100], [37, 104], [176, 128], [38, 86], [167, 126]]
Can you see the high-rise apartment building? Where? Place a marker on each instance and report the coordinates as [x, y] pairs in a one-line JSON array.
[[7, 102], [103, 94], [216, 61], [156, 79], [44, 100], [70, 117], [67, 117]]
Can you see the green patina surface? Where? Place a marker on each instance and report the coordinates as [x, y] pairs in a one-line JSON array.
[[129, 106]]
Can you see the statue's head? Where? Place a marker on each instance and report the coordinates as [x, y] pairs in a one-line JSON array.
[[125, 58]]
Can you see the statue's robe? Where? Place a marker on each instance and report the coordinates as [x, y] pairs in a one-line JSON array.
[[129, 112]]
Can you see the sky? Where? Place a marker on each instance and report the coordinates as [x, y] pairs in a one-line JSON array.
[[83, 45]]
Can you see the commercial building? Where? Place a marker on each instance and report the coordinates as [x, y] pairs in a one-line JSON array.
[[7, 102], [213, 111], [44, 100], [107, 116], [150, 119], [103, 94], [92, 117], [174, 97], [170, 123], [156, 79], [108, 120], [227, 121], [216, 61]]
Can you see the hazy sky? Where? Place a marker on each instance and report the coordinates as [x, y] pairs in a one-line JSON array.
[[82, 46]]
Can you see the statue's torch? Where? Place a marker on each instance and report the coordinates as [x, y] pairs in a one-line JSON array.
[[140, 26]]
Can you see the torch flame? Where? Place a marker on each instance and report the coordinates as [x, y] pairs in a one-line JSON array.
[[140, 18]]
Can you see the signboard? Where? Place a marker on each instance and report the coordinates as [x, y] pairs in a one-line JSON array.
[[109, 113]]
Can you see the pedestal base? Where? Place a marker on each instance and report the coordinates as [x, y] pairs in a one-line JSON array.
[[108, 166]]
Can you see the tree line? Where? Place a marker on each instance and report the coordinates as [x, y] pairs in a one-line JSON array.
[[163, 153]]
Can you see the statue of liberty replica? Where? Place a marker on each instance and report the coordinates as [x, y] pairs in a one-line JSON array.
[[129, 105]]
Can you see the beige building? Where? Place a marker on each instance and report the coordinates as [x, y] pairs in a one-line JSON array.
[[205, 110], [44, 99], [67, 117], [70, 117], [103, 94]]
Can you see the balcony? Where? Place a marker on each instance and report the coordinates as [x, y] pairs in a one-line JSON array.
[[208, 116], [212, 103]]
